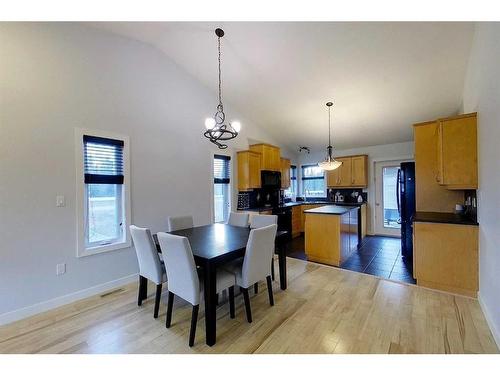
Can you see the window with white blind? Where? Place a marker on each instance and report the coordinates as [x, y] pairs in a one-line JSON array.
[[103, 197], [222, 201], [313, 181]]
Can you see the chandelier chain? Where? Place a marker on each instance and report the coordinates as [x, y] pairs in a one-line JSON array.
[[220, 79]]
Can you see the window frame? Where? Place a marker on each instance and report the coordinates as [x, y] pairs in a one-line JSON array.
[[225, 185], [229, 153], [293, 182], [302, 179], [82, 249]]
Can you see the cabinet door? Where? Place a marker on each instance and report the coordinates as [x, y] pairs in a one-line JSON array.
[[457, 153], [285, 173], [276, 158], [254, 170], [333, 178], [345, 172], [359, 171], [243, 171]]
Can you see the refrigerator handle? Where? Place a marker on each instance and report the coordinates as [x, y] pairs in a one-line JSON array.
[[397, 191]]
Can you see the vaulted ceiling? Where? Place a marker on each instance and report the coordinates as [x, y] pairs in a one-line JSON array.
[[382, 77]]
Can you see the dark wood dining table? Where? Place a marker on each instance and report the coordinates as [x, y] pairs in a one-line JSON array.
[[214, 245]]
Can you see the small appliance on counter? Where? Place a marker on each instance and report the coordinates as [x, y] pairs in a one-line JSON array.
[[347, 195]]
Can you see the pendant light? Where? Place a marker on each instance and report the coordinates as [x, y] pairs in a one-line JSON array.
[[329, 164], [217, 130]]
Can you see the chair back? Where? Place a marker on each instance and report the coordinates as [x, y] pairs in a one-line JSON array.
[[147, 255], [179, 222], [238, 219], [182, 277], [258, 255], [259, 221]]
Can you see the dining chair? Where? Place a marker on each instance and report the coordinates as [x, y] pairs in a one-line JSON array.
[[259, 221], [256, 265], [179, 222], [150, 266], [184, 281], [238, 219]]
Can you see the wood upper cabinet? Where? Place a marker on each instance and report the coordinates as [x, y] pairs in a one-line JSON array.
[[352, 173], [270, 156], [457, 152], [285, 173], [359, 168], [248, 170]]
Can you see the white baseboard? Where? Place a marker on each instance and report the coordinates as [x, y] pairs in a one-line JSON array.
[[495, 331], [40, 307]]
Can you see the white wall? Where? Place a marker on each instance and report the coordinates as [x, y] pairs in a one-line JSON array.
[[55, 77], [482, 94], [395, 151]]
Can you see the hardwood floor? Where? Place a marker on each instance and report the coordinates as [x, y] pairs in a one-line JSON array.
[[324, 310]]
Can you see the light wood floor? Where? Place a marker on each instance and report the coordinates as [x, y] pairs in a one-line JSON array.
[[324, 310]]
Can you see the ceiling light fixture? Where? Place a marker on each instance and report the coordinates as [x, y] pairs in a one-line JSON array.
[[217, 130], [329, 164]]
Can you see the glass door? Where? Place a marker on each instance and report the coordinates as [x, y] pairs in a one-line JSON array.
[[387, 199]]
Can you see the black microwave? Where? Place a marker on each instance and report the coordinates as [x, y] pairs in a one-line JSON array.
[[270, 179]]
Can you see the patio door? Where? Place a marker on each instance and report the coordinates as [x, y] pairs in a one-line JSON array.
[[387, 217]]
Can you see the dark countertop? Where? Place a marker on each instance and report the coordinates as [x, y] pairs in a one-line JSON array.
[[443, 217], [292, 204], [330, 210]]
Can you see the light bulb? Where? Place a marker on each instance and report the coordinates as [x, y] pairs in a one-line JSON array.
[[236, 126], [209, 123]]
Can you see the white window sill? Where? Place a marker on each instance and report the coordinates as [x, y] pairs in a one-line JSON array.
[[103, 248]]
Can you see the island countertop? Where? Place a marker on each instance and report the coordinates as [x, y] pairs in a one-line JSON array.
[[331, 210]]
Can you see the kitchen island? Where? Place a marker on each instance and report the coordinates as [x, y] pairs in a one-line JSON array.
[[331, 233]]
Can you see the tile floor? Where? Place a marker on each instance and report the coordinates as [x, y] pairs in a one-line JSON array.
[[377, 255]]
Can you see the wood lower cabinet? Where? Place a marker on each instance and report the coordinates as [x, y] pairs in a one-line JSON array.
[[270, 156], [303, 215], [352, 173], [457, 152], [296, 221], [285, 173], [445, 257], [249, 166]]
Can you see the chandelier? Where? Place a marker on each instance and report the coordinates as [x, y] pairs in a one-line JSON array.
[[217, 130], [329, 164]]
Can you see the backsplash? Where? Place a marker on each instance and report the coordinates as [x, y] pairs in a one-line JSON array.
[[350, 195], [470, 204]]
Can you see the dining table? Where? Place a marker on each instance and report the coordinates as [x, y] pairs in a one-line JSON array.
[[213, 246]]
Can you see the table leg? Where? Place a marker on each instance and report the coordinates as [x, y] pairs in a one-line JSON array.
[[210, 303], [282, 264]]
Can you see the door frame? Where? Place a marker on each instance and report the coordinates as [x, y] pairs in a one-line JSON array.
[[378, 227]]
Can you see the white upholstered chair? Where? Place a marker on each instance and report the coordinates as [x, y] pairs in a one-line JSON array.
[[259, 221], [238, 219], [183, 279], [150, 266], [179, 222], [256, 265]]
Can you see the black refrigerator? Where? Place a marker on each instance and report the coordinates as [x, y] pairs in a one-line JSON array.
[[406, 206]]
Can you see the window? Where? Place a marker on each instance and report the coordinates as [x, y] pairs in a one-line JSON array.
[[221, 188], [313, 181], [292, 190], [102, 193]]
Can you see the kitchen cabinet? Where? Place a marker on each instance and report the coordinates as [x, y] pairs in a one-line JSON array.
[[352, 173], [270, 156], [457, 152], [445, 257], [296, 221], [249, 166], [363, 218], [285, 173], [303, 216], [430, 195]]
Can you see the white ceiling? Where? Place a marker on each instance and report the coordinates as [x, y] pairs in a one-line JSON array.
[[382, 77]]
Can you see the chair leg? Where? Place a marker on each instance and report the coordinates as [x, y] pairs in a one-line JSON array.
[[157, 300], [272, 267], [170, 305], [143, 290], [270, 290], [194, 320], [256, 288], [246, 297], [231, 302]]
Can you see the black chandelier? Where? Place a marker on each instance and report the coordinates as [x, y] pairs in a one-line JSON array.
[[217, 130]]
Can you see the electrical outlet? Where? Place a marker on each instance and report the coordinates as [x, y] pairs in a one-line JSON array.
[[60, 269], [60, 201]]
